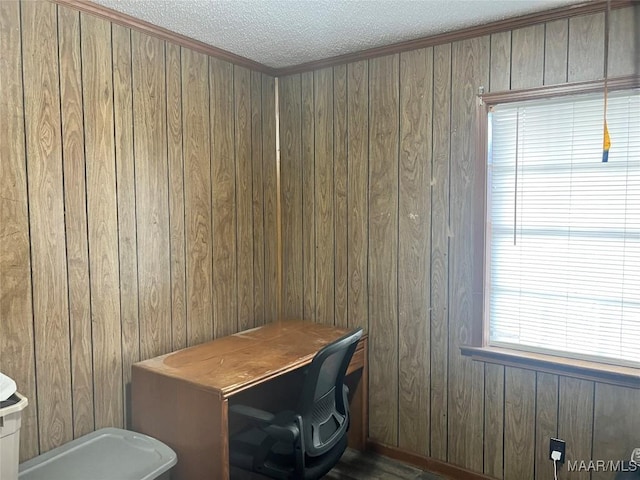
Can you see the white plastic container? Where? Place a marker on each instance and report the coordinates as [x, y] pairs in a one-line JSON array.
[[10, 421], [106, 454]]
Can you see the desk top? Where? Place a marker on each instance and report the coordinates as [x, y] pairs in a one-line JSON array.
[[231, 364]]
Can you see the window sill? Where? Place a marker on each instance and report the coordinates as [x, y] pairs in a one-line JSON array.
[[599, 372]]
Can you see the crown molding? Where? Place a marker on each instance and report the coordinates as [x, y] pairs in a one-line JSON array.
[[125, 20], [462, 34], [590, 7]]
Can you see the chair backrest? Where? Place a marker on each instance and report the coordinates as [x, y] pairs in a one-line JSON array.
[[323, 406]]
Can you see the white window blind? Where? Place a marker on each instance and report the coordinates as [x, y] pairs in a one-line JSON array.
[[563, 228]]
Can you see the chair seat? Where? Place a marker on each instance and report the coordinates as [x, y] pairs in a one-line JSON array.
[[244, 445]]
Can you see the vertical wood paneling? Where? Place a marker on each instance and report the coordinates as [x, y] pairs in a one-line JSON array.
[[519, 422], [269, 174], [414, 246], [494, 413], [197, 193], [586, 48], [527, 57], [97, 73], [615, 434], [308, 198], [555, 51], [175, 166], [152, 196], [470, 69], [46, 215], [223, 201], [500, 73], [357, 195], [244, 194], [258, 199], [546, 422], [291, 197], [16, 327], [90, 200], [126, 184], [324, 196], [108, 206], [340, 192], [440, 250], [624, 44], [324, 207], [383, 248], [575, 422], [75, 218]]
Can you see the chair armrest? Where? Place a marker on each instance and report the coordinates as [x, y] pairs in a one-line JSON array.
[[254, 414], [285, 433]]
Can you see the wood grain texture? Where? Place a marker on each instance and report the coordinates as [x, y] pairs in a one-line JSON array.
[[324, 196], [269, 174], [75, 201], [556, 41], [527, 57], [546, 422], [383, 247], [16, 308], [175, 165], [340, 207], [126, 185], [470, 68], [357, 194], [500, 73], [624, 45], [291, 196], [586, 48], [494, 418], [223, 200], [519, 422], [308, 197], [46, 223], [97, 74], [258, 199], [152, 195], [197, 194], [616, 424], [440, 250], [414, 246], [575, 422], [99, 220], [244, 196]]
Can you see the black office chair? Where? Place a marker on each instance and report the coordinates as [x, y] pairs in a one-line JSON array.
[[307, 443]]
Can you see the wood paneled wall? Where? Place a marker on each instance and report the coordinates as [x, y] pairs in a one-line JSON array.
[[137, 210], [378, 205]]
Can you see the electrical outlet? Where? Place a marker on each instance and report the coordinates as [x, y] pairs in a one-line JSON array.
[[557, 445]]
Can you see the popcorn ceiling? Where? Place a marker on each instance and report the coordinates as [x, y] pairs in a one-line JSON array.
[[280, 33]]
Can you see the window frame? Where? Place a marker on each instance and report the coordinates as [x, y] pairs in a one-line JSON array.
[[479, 349]]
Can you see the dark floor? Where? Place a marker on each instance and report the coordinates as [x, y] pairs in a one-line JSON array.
[[356, 465]]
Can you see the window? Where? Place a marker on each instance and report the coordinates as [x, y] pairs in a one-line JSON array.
[[562, 243]]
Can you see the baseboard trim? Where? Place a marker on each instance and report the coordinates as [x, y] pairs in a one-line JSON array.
[[425, 463]]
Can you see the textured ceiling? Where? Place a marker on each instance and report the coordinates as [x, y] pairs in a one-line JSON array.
[[280, 33]]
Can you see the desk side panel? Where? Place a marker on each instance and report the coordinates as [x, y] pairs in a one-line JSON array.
[[358, 382], [192, 421]]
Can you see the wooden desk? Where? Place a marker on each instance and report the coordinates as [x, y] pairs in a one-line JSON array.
[[182, 398]]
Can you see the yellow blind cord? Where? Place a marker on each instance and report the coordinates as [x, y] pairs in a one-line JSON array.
[[606, 141]]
